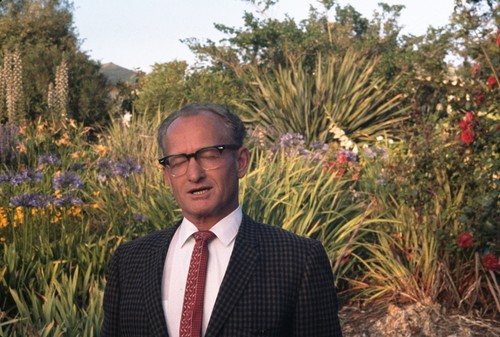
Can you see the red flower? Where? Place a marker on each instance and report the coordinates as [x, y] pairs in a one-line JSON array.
[[479, 99], [468, 117], [466, 123], [341, 158], [491, 262], [475, 69], [467, 136], [492, 81], [328, 165], [465, 240], [463, 125], [345, 258], [498, 38]]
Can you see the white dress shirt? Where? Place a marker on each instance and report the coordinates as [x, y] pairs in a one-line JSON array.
[[177, 267]]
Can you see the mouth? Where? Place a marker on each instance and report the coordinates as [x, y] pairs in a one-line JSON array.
[[199, 191]]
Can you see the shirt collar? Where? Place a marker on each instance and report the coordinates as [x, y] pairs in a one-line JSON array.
[[225, 230]]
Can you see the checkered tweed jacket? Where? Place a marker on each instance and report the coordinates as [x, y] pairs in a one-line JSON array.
[[276, 284]]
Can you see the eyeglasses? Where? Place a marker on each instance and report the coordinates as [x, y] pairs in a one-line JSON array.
[[208, 158]]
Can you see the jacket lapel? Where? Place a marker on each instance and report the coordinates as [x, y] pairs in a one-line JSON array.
[[152, 281], [241, 267]]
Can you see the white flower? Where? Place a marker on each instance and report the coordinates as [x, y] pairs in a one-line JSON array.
[[345, 142], [126, 119]]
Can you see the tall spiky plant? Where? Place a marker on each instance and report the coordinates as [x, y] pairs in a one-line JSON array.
[[61, 87], [12, 86], [341, 92], [57, 95], [3, 113]]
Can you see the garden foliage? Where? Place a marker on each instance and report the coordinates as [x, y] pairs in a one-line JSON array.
[[394, 167]]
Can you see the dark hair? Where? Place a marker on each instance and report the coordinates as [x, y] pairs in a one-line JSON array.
[[232, 121]]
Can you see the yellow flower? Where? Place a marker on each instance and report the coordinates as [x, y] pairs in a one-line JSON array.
[[96, 193], [75, 155], [58, 193], [3, 218], [74, 211], [18, 216], [56, 218], [102, 150]]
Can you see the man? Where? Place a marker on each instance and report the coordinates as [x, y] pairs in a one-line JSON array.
[[260, 279]]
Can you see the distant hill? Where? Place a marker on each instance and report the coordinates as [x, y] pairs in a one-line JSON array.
[[114, 73]]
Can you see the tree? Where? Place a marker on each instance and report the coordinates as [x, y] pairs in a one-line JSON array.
[[43, 33], [172, 85]]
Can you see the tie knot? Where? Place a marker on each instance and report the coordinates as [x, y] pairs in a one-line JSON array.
[[205, 236]]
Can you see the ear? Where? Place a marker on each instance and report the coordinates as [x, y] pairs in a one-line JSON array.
[[242, 161]]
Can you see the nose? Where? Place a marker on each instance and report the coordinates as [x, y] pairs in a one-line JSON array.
[[194, 170]]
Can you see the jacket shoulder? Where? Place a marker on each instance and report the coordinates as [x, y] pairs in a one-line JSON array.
[[275, 236], [150, 241]]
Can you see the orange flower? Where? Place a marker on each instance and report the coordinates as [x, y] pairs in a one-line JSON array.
[[3, 218], [64, 140], [102, 150], [22, 148]]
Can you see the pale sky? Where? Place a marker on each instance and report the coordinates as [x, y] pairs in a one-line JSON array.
[[137, 34]]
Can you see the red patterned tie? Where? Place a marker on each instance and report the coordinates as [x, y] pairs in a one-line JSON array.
[[192, 310]]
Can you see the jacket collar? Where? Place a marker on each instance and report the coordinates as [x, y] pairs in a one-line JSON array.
[[152, 281], [239, 271]]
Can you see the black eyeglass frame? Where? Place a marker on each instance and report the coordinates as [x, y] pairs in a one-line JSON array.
[[164, 161]]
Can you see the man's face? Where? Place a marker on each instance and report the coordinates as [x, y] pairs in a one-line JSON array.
[[205, 196]]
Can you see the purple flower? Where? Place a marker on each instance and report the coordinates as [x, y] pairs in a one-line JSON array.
[[8, 143], [4, 178], [26, 176], [125, 168], [139, 217], [106, 168], [67, 180], [67, 199], [292, 144], [30, 200], [349, 155], [318, 150], [292, 140], [376, 151], [77, 167], [49, 159]]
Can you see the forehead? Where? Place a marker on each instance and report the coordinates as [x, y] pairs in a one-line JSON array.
[[201, 129]]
